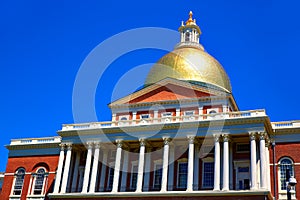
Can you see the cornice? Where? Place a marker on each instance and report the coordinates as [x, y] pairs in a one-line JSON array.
[[32, 146], [169, 126]]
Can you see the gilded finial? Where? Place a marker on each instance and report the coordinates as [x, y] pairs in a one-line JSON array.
[[190, 20], [191, 15]]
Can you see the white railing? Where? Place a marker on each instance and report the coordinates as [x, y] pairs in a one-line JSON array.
[[286, 124], [164, 120], [43, 140]]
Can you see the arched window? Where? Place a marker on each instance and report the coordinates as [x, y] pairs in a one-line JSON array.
[[19, 180], [286, 170], [39, 181]]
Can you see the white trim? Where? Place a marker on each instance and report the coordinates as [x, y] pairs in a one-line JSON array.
[[282, 193], [14, 182], [34, 181]]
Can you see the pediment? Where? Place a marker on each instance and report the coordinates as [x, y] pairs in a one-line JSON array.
[[167, 90]]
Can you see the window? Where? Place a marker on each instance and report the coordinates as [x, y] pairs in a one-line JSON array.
[[167, 116], [134, 173], [182, 174], [145, 116], [19, 179], [39, 181], [123, 120], [212, 113], [110, 178], [157, 176], [187, 36], [189, 115], [286, 170], [208, 174]]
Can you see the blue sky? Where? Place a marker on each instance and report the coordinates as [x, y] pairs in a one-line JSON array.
[[43, 43]]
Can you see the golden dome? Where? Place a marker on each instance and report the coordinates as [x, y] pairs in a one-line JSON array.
[[190, 64]]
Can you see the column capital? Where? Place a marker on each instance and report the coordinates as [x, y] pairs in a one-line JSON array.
[[216, 137], [97, 145], [252, 135], [226, 137], [69, 146], [262, 135], [191, 139], [166, 140], [89, 145], [142, 142], [62, 146], [119, 143]]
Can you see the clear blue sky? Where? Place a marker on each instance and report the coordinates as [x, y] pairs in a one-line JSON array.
[[43, 43]]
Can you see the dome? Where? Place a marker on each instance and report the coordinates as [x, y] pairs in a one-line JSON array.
[[190, 64], [189, 61]]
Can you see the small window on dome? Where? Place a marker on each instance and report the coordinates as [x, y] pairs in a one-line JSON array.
[[187, 36]]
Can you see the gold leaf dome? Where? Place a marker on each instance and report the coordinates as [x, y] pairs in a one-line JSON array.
[[189, 62]]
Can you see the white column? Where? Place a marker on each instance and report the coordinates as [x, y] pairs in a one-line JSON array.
[[134, 118], [171, 167], [190, 164], [103, 170], [75, 173], [177, 114], [225, 163], [95, 168], [31, 185], [147, 169], [124, 170], [59, 168], [117, 166], [200, 112], [140, 175], [230, 167], [114, 116], [155, 116], [263, 164], [196, 168], [66, 169], [164, 180], [268, 166], [217, 163], [86, 176], [253, 160]]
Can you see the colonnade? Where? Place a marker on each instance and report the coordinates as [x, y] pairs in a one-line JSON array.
[[220, 169]]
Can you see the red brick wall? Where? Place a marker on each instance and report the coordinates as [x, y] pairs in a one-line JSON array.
[[169, 92], [30, 164], [290, 150]]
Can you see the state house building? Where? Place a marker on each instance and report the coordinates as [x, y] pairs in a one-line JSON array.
[[181, 136]]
